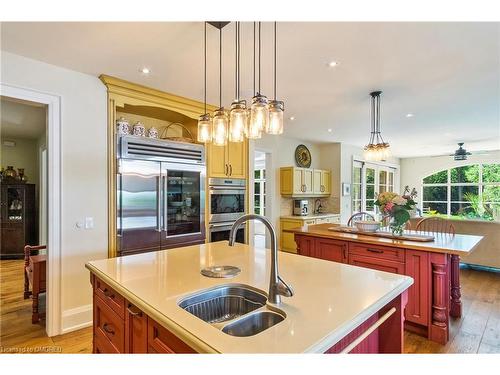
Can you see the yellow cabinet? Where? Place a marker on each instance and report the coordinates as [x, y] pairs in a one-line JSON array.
[[287, 240], [305, 182], [228, 161]]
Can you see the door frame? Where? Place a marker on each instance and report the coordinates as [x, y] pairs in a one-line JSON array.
[[54, 182]]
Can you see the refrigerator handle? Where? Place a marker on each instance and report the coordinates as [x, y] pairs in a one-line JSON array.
[[158, 204], [165, 203]]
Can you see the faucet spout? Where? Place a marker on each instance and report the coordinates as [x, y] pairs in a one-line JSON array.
[[277, 286]]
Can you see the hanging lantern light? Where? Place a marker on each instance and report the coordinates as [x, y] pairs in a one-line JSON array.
[[205, 122], [376, 149], [219, 133], [238, 115], [276, 107], [259, 110], [220, 120]]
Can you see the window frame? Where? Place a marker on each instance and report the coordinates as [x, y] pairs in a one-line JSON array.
[[480, 185]]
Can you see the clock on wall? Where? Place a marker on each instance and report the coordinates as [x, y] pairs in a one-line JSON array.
[[302, 156]]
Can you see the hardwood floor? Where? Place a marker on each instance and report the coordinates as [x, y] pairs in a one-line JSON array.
[[478, 331], [17, 334]]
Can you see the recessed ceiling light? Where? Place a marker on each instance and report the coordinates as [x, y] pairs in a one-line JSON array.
[[409, 115], [292, 118], [145, 70], [333, 64], [330, 130]]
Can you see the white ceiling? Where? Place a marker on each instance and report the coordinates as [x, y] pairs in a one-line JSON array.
[[21, 119], [446, 74]]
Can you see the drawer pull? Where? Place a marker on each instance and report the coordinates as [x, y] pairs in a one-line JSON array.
[[108, 293], [375, 251], [107, 329], [132, 310]]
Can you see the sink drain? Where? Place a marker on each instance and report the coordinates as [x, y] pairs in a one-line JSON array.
[[220, 271]]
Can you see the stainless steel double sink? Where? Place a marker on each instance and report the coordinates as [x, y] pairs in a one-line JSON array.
[[236, 309]]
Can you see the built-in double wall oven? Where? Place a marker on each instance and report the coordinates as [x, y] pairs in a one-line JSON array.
[[227, 202], [161, 195]]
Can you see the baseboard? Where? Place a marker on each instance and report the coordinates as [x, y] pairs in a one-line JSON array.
[[77, 318]]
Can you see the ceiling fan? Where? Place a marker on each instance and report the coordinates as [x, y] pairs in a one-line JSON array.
[[460, 153]]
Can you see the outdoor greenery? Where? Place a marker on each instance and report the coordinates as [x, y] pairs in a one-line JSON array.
[[473, 192]]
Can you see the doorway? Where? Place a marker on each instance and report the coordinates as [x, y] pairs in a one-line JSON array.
[[23, 220], [260, 197], [46, 177]]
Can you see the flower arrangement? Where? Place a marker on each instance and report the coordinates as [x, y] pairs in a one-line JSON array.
[[396, 207]]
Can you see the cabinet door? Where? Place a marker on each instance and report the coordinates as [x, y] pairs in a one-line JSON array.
[[108, 327], [305, 246], [237, 159], [333, 250], [376, 264], [217, 163], [326, 181], [287, 241], [136, 330], [317, 184], [308, 180], [417, 267], [298, 183], [161, 340]]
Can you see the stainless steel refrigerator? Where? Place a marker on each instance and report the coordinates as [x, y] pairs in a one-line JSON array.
[[161, 195]]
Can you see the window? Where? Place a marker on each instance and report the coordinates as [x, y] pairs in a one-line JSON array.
[[469, 191], [259, 191], [368, 180]]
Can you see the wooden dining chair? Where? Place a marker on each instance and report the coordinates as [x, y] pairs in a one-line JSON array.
[[360, 216], [29, 251], [435, 225]]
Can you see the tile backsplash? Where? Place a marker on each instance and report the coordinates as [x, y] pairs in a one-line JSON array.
[[330, 205]]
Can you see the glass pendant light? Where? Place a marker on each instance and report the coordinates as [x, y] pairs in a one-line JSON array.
[[220, 121], [205, 122], [259, 110], [276, 107], [238, 115], [377, 149]]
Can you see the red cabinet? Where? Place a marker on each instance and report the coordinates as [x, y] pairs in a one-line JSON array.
[[161, 340], [413, 263], [377, 264], [333, 250], [417, 266]]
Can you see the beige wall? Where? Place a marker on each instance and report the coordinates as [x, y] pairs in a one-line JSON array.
[[84, 187], [22, 155]]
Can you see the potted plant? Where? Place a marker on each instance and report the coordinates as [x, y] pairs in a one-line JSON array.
[[396, 208]]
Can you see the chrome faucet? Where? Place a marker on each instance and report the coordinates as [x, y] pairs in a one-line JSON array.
[[277, 287]]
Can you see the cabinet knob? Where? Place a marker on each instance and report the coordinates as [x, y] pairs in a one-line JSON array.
[[230, 169]]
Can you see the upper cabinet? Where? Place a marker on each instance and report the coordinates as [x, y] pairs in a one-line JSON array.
[[305, 182], [228, 161]]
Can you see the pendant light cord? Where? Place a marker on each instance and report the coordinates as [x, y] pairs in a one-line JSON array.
[[254, 58], [239, 47], [259, 52], [275, 69], [205, 68], [220, 67]]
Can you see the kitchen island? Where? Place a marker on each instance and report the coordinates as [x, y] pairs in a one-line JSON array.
[[434, 266], [335, 307]]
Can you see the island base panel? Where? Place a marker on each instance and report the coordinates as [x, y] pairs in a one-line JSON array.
[[387, 338]]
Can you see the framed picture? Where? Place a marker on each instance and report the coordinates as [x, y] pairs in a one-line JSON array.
[[346, 189]]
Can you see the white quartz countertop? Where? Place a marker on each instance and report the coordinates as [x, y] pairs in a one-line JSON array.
[[308, 217], [330, 300]]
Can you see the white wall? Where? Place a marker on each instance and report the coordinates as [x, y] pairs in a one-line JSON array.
[[84, 187]]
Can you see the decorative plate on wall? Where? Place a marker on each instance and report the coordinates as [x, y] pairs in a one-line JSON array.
[[302, 156]]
